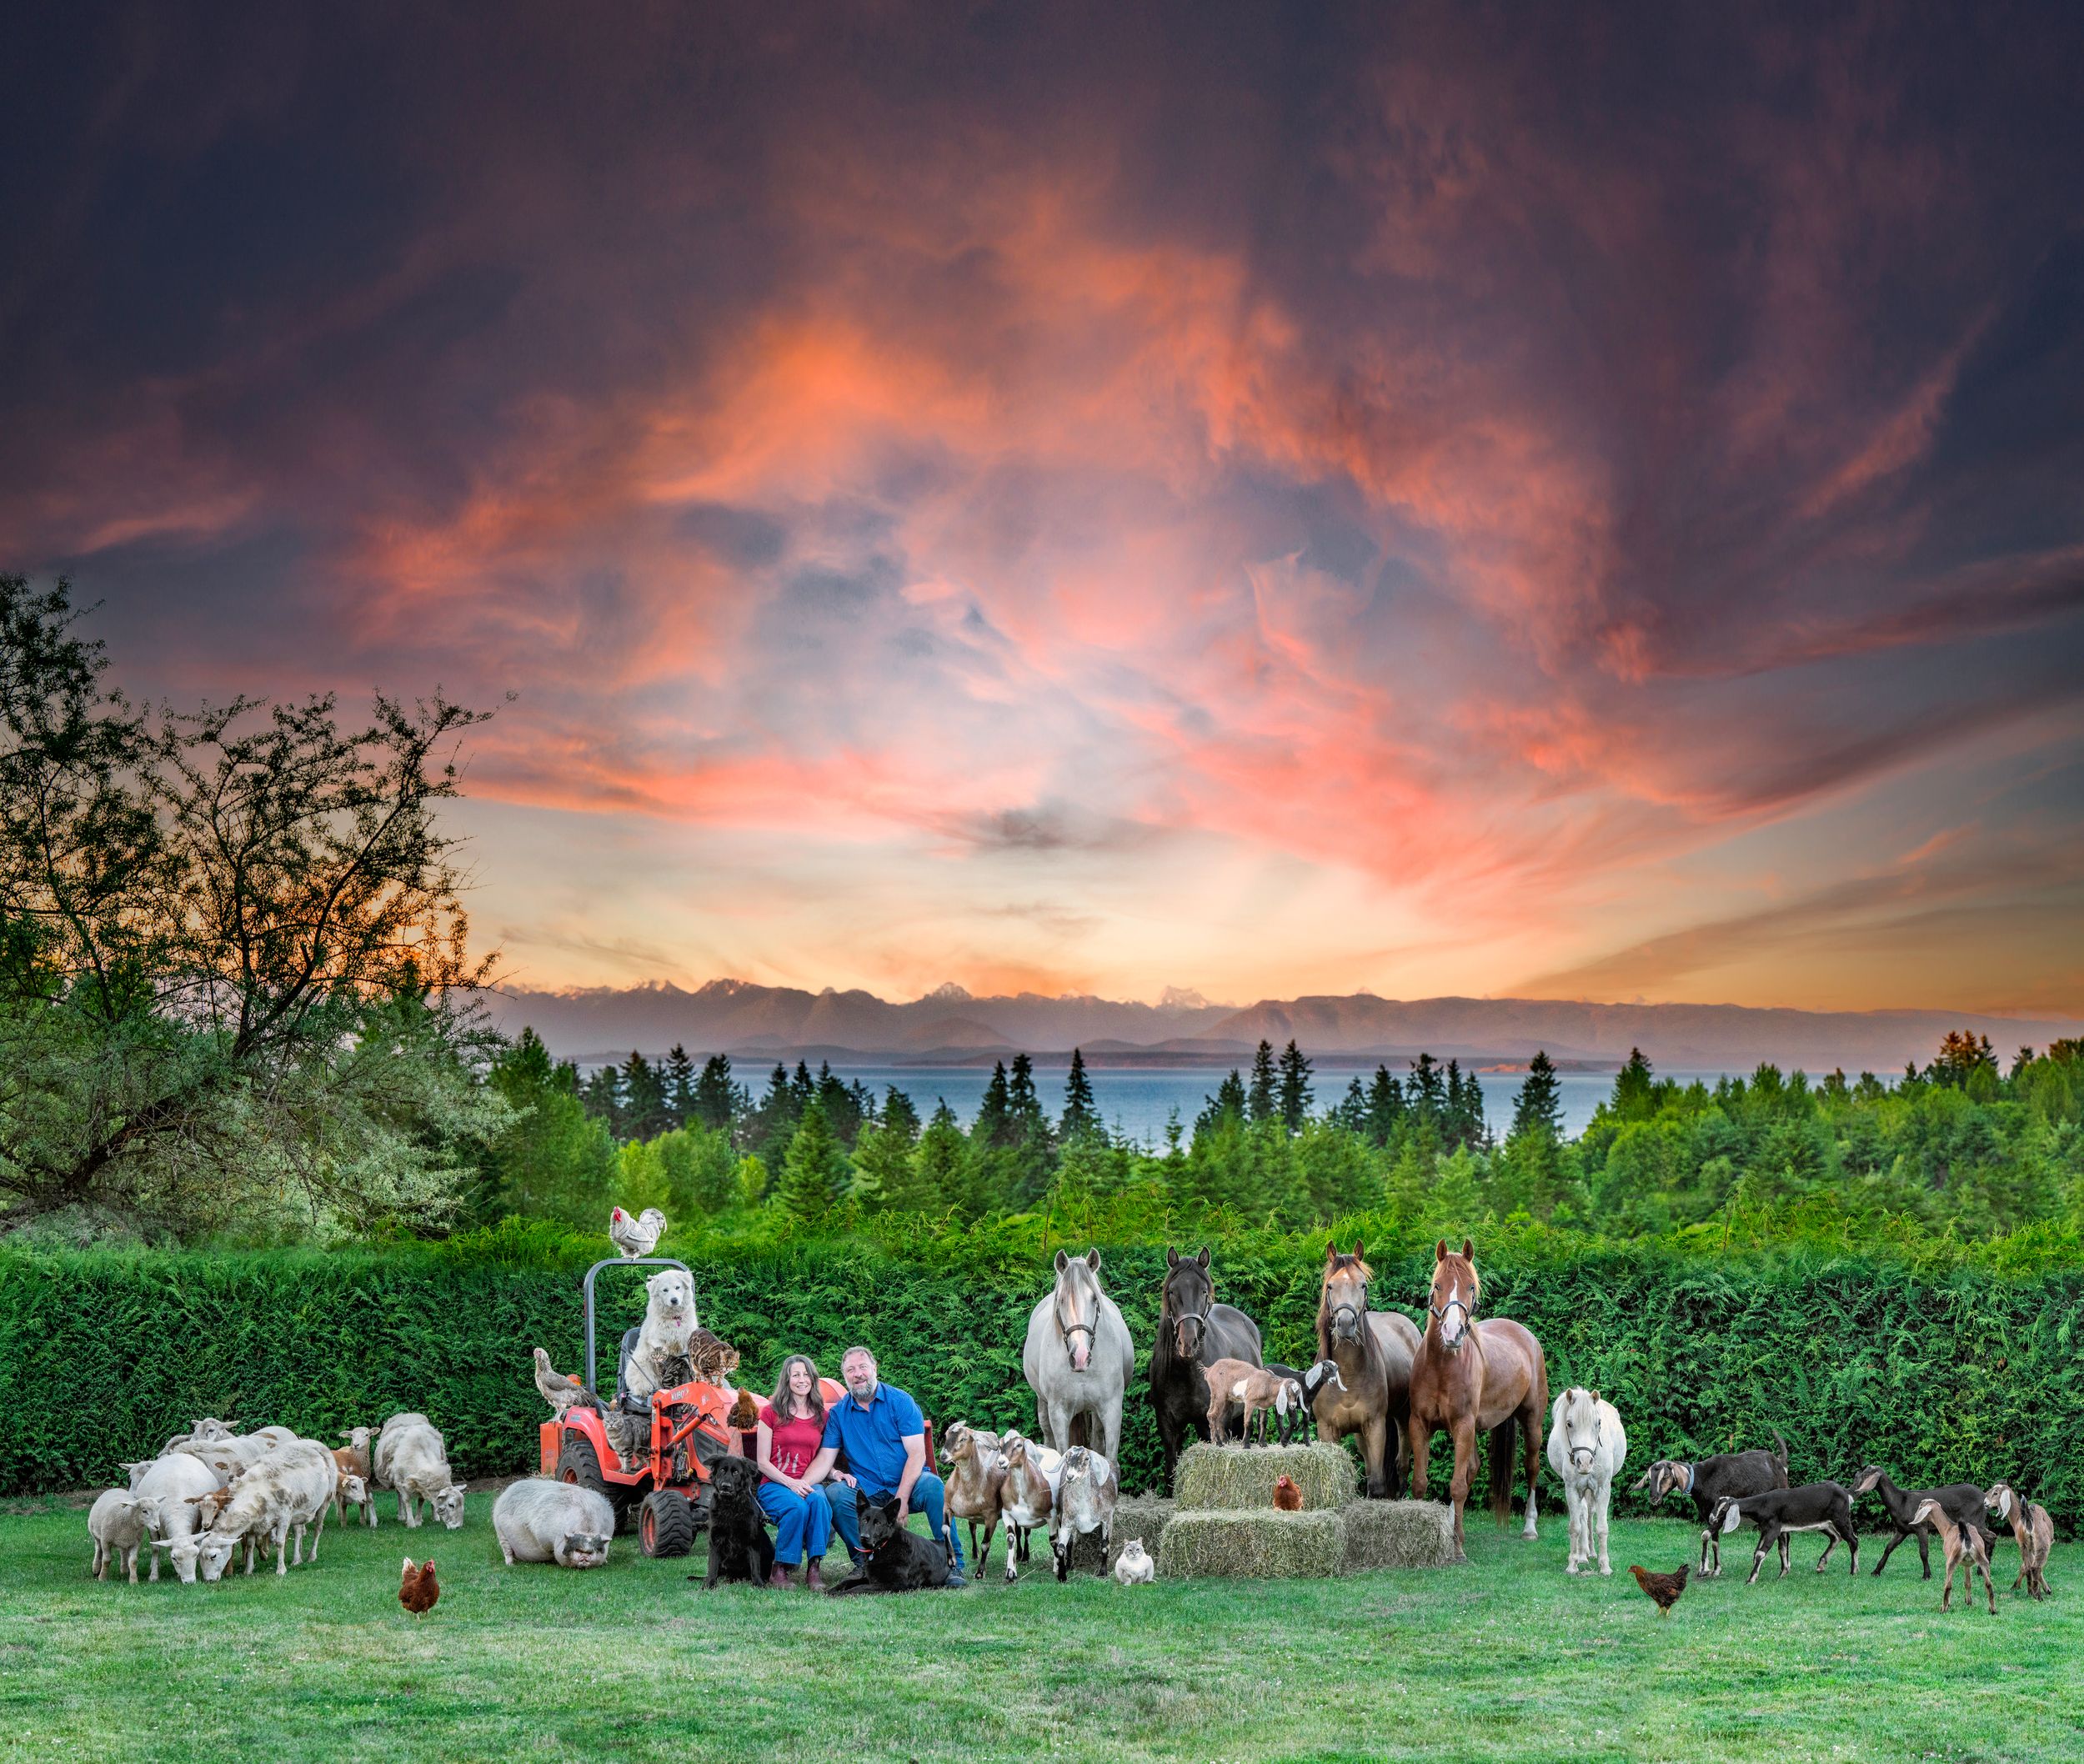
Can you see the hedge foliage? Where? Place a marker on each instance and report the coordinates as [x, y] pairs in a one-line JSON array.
[[1942, 1375]]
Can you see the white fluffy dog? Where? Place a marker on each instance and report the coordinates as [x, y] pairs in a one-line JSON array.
[[669, 1320]]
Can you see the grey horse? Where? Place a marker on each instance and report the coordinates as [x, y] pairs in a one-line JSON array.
[[1078, 1359]]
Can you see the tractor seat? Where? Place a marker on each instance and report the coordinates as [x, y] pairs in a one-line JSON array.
[[628, 1404]]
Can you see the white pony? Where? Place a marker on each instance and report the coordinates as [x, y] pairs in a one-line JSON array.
[[1078, 1359], [1587, 1447]]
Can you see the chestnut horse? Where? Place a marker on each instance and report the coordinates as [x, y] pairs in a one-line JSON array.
[[1373, 1350], [1470, 1377]]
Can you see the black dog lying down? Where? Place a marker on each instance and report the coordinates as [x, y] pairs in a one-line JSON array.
[[898, 1560], [739, 1547]]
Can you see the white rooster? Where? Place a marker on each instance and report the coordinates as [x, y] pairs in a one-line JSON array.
[[638, 1236]]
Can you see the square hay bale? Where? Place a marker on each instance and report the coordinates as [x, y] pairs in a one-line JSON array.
[[1240, 1478], [1399, 1534], [1145, 1518], [1269, 1546]]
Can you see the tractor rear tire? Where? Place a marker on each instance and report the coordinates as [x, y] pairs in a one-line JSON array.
[[666, 1523], [579, 1464]]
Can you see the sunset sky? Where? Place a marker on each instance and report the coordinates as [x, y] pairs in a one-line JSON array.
[[1580, 502]]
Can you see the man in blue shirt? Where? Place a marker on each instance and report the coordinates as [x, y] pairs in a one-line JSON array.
[[884, 1435]]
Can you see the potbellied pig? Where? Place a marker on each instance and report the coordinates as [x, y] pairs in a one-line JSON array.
[[120, 1521], [411, 1459], [541, 1520]]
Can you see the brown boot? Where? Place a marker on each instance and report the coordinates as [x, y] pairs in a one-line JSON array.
[[813, 1581], [778, 1580]]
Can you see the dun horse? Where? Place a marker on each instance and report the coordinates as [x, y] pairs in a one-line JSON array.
[[1373, 1350], [1192, 1329], [1078, 1359], [1470, 1377]]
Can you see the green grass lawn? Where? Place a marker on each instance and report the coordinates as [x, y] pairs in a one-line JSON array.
[[1505, 1658]]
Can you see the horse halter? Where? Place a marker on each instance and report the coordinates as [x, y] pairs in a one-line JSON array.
[[1199, 1319], [1353, 1313], [1441, 1313], [1068, 1330]]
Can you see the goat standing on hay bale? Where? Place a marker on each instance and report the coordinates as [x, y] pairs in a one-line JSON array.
[[1260, 1391]]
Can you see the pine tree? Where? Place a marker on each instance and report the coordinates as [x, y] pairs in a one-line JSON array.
[[1032, 1145], [1635, 1089], [716, 1101], [1228, 1104], [1426, 1092], [1385, 1106], [644, 1099], [1262, 1100], [1080, 1117], [770, 1126], [1539, 1106], [899, 1116], [992, 1127], [1294, 1087], [815, 1174], [1464, 1117], [939, 1167], [679, 1076], [602, 1097], [1350, 1111], [842, 1105]]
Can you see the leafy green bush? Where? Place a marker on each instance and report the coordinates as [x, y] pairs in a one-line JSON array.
[[1946, 1371]]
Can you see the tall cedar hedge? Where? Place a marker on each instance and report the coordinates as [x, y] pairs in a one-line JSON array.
[[1964, 1375]]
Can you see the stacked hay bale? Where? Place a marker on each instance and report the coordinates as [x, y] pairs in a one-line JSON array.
[[1226, 1525]]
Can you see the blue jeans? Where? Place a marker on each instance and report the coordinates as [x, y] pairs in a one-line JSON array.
[[928, 1498], [803, 1523]]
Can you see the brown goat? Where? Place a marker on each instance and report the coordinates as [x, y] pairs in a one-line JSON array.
[[1965, 1551]]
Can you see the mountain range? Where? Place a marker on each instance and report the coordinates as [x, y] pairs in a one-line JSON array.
[[949, 1026]]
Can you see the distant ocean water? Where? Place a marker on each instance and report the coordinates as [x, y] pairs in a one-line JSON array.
[[1138, 1100]]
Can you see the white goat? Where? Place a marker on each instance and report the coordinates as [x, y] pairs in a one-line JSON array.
[[1587, 1447]]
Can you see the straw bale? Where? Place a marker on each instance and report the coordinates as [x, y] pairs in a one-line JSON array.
[[1251, 1545], [1399, 1534], [1241, 1478]]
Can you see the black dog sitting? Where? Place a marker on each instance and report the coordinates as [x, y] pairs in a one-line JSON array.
[[740, 1548], [898, 1560]]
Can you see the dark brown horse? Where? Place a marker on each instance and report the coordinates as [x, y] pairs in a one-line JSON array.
[[1373, 1350], [1192, 1330], [1470, 1378]]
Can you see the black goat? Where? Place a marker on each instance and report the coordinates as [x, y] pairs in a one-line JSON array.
[[1731, 1476], [1815, 1506], [1962, 1503]]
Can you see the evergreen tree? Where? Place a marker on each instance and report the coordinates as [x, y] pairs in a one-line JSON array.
[[842, 1105], [882, 1171], [1228, 1104], [899, 1116], [1385, 1106], [718, 1102], [815, 1173], [644, 1099], [771, 1126], [802, 1085], [602, 1097], [1426, 1092], [1540, 1105], [1080, 1117], [1262, 1100], [1635, 1089], [940, 1168], [1464, 1118], [993, 1126], [1294, 1087], [1033, 1159], [679, 1075], [557, 1159], [1350, 1111]]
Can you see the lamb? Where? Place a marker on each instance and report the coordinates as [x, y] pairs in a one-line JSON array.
[[1257, 1389], [537, 1520], [411, 1458], [119, 1523], [1965, 1549], [1026, 1496], [355, 1468], [1086, 1493], [2032, 1526], [976, 1472]]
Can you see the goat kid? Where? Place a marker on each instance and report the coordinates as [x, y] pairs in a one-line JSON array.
[[1965, 1550], [1778, 1514], [1027, 1496], [2033, 1528], [1962, 1501], [1707, 1481]]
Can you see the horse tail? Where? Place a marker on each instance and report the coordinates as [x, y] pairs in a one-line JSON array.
[[1503, 1438], [1782, 1455]]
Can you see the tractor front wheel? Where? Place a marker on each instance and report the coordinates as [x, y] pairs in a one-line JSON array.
[[579, 1464], [666, 1523]]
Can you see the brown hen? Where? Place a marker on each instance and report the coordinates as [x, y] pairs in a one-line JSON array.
[[1664, 1588], [416, 1590], [1287, 1496]]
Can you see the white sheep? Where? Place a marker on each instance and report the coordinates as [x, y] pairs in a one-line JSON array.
[[175, 1482], [119, 1523], [411, 1458], [290, 1488]]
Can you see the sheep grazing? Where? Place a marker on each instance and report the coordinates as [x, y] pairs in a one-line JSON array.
[[411, 1458], [1965, 1551], [537, 1520], [174, 1483], [120, 1524], [356, 1472], [290, 1491], [2034, 1529]]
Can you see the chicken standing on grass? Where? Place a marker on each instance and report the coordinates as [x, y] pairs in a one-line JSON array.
[[1664, 1588], [416, 1590]]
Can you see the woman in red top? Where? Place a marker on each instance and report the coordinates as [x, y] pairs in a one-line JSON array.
[[792, 1427]]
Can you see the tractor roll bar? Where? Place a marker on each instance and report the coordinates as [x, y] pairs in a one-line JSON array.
[[622, 1261]]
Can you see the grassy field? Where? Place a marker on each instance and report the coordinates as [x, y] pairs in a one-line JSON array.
[[1505, 1658]]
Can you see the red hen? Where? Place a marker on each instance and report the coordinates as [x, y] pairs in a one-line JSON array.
[[416, 1590], [1287, 1496], [1664, 1588]]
